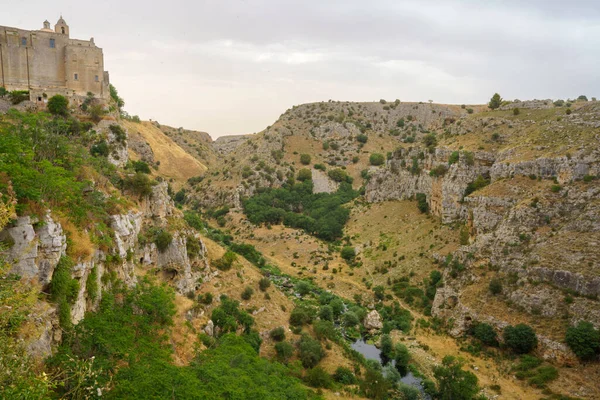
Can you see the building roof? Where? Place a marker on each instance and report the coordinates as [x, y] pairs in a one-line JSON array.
[[61, 21]]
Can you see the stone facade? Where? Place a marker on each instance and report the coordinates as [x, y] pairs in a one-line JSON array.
[[49, 62]]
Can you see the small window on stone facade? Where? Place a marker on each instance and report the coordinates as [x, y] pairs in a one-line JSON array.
[[23, 41], [52, 43], [96, 78], [76, 77], [62, 30]]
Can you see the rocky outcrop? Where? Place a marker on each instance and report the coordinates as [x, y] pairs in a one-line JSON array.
[[373, 321], [322, 183], [34, 252], [159, 205], [227, 144]]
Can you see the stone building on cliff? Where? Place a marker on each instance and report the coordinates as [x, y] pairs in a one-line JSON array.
[[47, 62]]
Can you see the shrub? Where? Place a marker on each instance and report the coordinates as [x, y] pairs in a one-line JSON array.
[[206, 298], [305, 159], [318, 378], [430, 141], [344, 376], [479, 183], [402, 356], [310, 351], [568, 111], [555, 188], [225, 262], [453, 158], [18, 96], [438, 171], [304, 174], [584, 340], [469, 111], [422, 202], [338, 175], [284, 351], [277, 334], [326, 313], [350, 319], [486, 334], [362, 138], [303, 288], [139, 184], [141, 166], [582, 98], [387, 346], [516, 111], [3, 91], [324, 330], [495, 286], [163, 240], [495, 136], [376, 159], [100, 149], [495, 101], [520, 338], [453, 382], [58, 105], [264, 284], [247, 293], [348, 253], [301, 315], [559, 103]]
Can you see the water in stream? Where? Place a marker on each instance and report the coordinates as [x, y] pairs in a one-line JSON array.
[[371, 352]]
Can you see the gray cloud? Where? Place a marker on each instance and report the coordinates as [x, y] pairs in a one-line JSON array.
[[234, 66]]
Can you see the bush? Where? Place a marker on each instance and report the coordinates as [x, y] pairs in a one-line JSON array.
[[495, 101], [225, 262], [277, 334], [479, 183], [326, 313], [141, 166], [453, 158], [163, 240], [318, 378], [18, 96], [247, 293], [325, 330], [139, 184], [301, 315], [568, 111], [362, 138], [348, 253], [584, 340], [486, 334], [284, 351], [303, 288], [305, 159], [520, 338], [58, 105], [207, 298], [387, 346], [376, 159], [304, 174], [495, 286], [516, 111], [430, 141], [402, 357], [310, 351], [351, 319], [422, 203], [264, 284], [453, 382], [344, 376], [469, 111], [100, 149]]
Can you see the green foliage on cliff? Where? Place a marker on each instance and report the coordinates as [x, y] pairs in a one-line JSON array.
[[321, 214]]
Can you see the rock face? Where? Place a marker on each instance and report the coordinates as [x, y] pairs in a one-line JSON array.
[[35, 253], [322, 183], [117, 143], [159, 205], [373, 321]]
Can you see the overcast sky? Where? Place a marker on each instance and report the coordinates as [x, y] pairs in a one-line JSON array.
[[230, 67]]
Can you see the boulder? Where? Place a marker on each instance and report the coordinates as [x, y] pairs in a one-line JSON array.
[[373, 321]]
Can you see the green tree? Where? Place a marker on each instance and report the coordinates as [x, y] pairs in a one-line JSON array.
[[402, 357], [453, 382], [495, 286], [584, 340], [495, 101], [114, 94], [422, 203], [387, 346], [304, 174], [362, 138], [376, 159], [348, 253], [486, 334], [309, 351], [58, 105], [520, 338], [264, 284], [278, 334], [305, 159], [284, 351]]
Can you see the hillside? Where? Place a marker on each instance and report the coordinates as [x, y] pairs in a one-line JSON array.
[[510, 201]]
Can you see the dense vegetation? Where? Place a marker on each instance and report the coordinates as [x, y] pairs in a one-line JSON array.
[[135, 361], [319, 214]]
